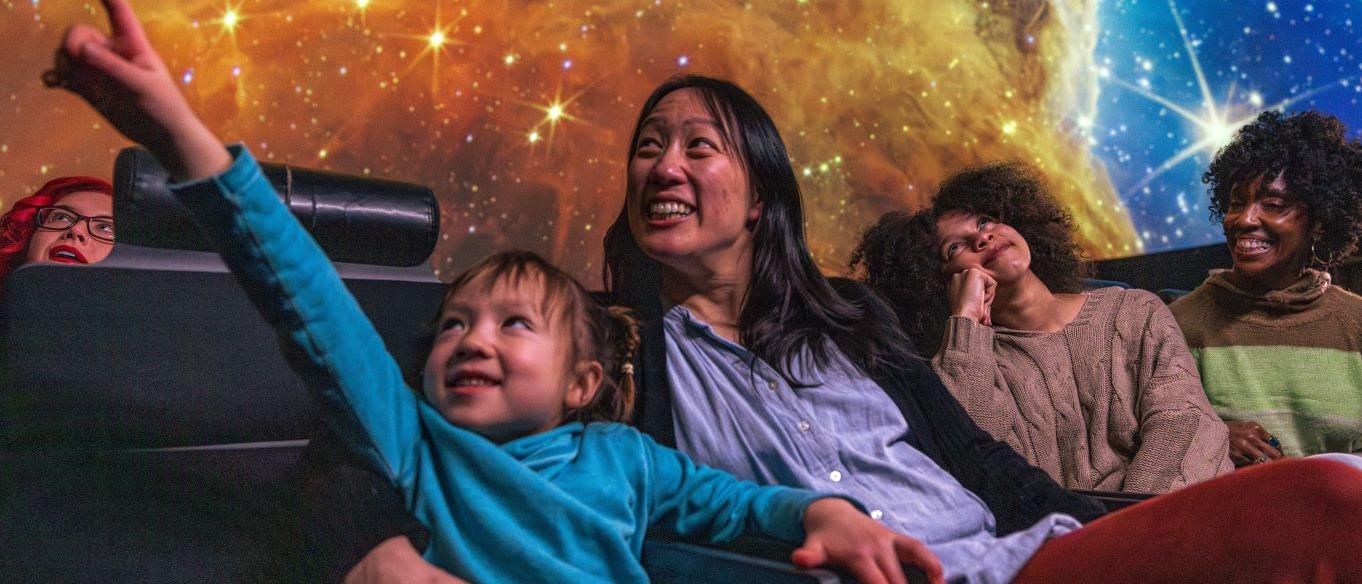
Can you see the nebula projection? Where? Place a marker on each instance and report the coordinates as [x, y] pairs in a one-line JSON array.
[[517, 113]]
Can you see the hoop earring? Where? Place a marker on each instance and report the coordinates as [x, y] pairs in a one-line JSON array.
[[1314, 257]]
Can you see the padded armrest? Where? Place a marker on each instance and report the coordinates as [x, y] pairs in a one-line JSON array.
[[1116, 500], [669, 560], [355, 219], [746, 560]]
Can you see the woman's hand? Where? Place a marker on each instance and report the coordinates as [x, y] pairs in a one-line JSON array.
[[1250, 443], [395, 561], [840, 535], [121, 75], [971, 295]]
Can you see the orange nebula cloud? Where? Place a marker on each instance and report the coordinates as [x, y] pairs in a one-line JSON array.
[[516, 113]]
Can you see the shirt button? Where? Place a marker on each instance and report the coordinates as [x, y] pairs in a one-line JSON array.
[[836, 476], [804, 425], [876, 514], [771, 386]]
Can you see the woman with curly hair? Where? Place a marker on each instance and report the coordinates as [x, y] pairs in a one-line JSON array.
[[1097, 388], [69, 220], [1277, 345]]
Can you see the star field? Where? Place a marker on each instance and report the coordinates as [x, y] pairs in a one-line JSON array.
[[517, 113], [1159, 121]]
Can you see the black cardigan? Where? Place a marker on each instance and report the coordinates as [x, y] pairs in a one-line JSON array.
[[352, 509]]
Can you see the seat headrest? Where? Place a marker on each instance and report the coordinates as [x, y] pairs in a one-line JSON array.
[[162, 358], [355, 219]]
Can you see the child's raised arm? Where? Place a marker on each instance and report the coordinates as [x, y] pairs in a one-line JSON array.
[[283, 270]]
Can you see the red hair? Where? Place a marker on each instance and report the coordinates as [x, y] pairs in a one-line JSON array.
[[16, 226]]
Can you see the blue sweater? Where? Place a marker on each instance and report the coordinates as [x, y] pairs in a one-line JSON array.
[[569, 505]]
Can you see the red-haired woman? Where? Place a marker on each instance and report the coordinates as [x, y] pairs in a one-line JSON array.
[[69, 220]]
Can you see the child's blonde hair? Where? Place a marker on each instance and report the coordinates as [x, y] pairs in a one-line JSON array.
[[606, 334]]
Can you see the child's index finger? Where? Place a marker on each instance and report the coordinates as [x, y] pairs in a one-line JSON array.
[[123, 22]]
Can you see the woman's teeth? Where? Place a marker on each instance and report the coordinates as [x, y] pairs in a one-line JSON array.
[[1252, 245], [661, 210], [473, 381]]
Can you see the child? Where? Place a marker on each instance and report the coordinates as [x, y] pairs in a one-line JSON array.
[[503, 459]]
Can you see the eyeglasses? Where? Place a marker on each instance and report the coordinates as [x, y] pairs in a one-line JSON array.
[[61, 219]]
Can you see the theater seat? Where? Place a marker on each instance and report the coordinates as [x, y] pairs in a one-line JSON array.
[[1115, 501], [1171, 295], [150, 426], [1094, 283]]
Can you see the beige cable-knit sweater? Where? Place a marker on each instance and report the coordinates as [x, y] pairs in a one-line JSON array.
[[1112, 402]]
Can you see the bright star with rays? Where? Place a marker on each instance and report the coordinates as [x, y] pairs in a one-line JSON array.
[[1216, 133], [437, 42], [554, 112], [229, 21], [1215, 125]]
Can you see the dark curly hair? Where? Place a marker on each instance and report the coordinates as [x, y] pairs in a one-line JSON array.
[[898, 255], [1321, 167]]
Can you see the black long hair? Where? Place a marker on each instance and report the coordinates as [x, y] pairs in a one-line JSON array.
[[789, 304]]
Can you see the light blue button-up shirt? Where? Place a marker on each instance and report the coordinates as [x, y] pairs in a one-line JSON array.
[[838, 433]]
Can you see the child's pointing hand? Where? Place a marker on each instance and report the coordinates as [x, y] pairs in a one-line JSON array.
[[121, 75]]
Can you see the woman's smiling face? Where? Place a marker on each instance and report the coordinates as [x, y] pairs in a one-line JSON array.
[[1269, 234], [689, 198]]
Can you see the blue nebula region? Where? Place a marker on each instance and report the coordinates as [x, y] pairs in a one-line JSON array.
[[1177, 78]]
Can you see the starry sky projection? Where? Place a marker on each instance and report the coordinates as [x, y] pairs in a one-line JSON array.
[[1179, 78], [516, 112]]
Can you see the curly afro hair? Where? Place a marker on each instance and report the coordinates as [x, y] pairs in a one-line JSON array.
[[1322, 169], [898, 255]]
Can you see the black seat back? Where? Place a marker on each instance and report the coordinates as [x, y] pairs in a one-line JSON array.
[[150, 425], [151, 421]]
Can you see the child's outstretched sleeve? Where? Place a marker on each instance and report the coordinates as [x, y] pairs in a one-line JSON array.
[[696, 500], [292, 282]]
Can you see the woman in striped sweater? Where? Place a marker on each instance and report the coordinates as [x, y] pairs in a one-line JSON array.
[[1279, 348]]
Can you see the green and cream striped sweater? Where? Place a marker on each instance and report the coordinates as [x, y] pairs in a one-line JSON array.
[[1290, 360]]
